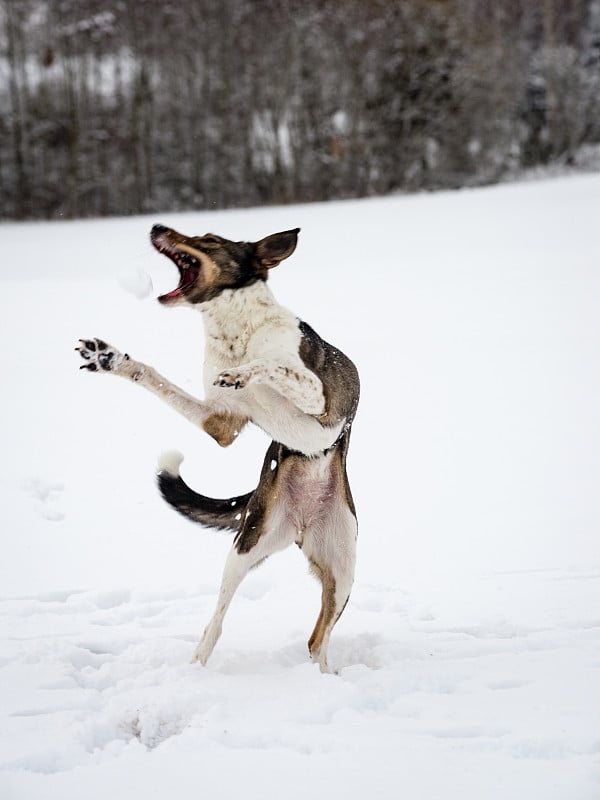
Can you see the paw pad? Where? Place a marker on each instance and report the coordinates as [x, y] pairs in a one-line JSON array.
[[99, 355]]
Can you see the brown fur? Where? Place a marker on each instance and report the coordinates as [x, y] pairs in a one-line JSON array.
[[224, 428], [325, 575]]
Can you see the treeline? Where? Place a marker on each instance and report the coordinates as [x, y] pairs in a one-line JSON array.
[[128, 106]]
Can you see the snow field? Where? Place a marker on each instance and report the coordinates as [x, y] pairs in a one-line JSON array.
[[468, 659], [501, 705]]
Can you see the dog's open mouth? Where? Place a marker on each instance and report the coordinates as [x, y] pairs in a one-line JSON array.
[[189, 270], [188, 266]]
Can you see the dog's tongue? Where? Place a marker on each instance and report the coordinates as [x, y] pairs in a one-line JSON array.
[[187, 279], [165, 298]]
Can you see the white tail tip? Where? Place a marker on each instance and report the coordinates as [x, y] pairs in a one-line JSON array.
[[170, 461]]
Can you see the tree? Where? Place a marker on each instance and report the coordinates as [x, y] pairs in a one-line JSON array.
[[126, 106]]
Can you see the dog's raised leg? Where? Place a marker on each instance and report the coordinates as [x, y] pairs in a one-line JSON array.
[[293, 381], [102, 357]]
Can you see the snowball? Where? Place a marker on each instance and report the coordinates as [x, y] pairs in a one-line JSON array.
[[137, 282]]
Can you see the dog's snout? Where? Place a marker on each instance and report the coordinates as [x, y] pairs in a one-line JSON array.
[[158, 229]]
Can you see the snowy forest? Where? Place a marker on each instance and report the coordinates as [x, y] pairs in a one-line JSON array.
[[114, 107]]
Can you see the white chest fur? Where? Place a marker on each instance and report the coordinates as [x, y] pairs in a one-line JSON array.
[[243, 324], [248, 325]]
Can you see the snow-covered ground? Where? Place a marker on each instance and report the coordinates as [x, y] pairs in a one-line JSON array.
[[468, 660]]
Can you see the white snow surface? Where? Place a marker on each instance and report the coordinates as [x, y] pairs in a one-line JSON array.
[[467, 663]]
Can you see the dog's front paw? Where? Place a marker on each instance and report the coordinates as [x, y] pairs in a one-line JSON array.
[[100, 356], [233, 378]]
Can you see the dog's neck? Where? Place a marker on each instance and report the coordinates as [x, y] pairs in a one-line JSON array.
[[232, 317]]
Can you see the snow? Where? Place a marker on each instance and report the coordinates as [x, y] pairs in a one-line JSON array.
[[468, 660]]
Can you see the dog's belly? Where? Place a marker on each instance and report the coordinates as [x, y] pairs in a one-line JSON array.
[[307, 489], [316, 512]]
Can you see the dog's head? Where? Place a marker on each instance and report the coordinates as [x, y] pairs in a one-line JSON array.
[[210, 264]]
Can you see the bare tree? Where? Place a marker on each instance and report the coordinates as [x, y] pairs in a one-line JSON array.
[[125, 106]]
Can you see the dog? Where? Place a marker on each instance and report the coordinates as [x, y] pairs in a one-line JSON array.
[[262, 365]]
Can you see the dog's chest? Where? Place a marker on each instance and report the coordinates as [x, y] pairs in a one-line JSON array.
[[225, 352], [247, 324]]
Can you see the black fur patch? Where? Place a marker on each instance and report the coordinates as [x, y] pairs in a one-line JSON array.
[[209, 511]]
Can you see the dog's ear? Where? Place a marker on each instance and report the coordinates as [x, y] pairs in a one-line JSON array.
[[271, 250]]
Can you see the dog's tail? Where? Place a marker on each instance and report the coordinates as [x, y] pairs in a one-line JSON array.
[[223, 514]]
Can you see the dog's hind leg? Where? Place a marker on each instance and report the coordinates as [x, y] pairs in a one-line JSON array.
[[331, 549], [261, 535], [237, 567]]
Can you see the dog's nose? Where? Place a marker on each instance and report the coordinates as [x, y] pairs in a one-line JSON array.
[[158, 229]]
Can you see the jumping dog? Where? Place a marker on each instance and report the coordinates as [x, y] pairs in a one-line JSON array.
[[262, 365]]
